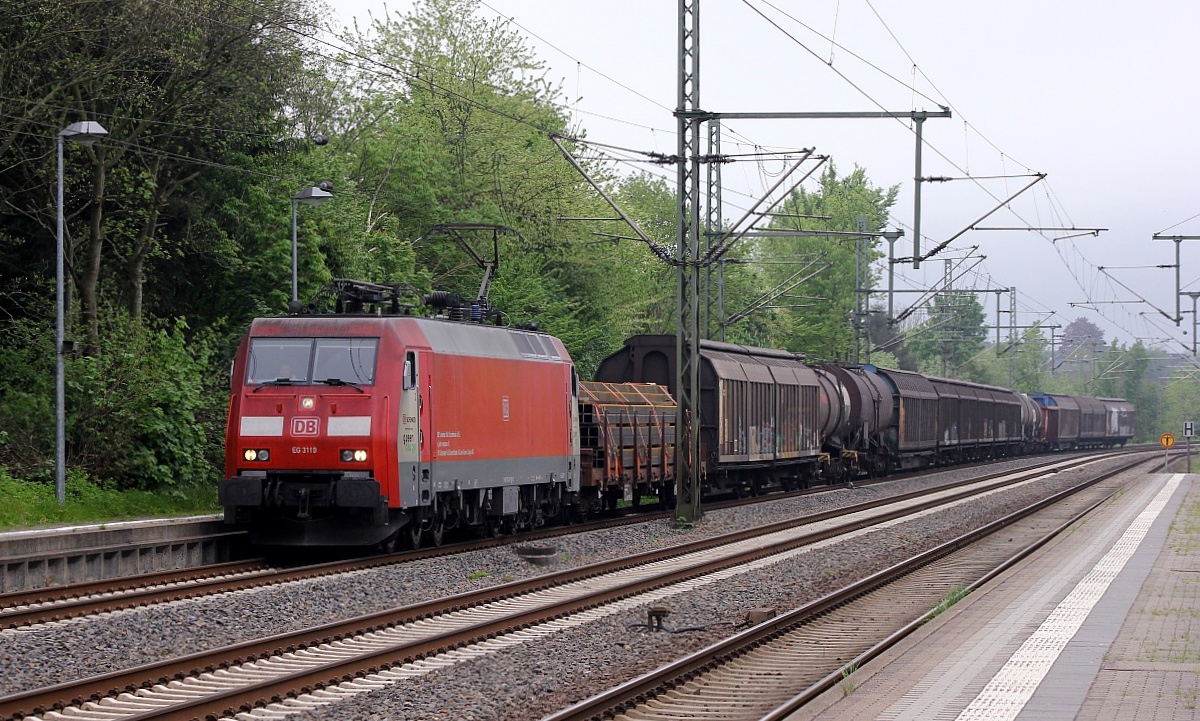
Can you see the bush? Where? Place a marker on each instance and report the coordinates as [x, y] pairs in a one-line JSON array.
[[146, 413]]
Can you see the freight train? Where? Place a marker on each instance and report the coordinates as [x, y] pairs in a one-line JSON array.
[[375, 427], [768, 418]]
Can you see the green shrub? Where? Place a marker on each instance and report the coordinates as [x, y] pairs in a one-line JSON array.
[[146, 413]]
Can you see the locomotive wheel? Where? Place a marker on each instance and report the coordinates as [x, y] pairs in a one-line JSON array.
[[437, 534], [412, 535], [390, 544]]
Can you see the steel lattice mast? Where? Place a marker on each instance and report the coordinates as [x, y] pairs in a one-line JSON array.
[[687, 337]]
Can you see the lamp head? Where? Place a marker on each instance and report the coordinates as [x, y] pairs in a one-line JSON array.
[[312, 196], [84, 133]]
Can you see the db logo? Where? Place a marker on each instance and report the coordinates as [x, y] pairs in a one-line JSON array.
[[306, 426]]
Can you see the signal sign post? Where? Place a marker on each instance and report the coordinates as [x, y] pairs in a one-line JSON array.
[[1167, 440], [1189, 430]]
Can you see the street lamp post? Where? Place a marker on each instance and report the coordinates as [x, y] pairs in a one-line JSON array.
[[309, 196], [85, 133]]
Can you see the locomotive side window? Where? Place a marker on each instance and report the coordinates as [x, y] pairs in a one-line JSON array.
[[410, 372], [351, 360], [278, 360]]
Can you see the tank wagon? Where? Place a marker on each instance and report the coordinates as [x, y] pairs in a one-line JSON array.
[[863, 404]]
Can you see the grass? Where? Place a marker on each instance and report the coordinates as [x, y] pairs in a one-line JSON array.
[[1187, 698], [683, 524], [33, 503], [476, 575], [953, 596], [848, 685], [645, 501], [1185, 529]]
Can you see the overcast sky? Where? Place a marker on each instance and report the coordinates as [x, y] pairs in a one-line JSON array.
[[1099, 95]]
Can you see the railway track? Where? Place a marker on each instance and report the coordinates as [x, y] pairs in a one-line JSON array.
[[27, 608], [753, 676], [320, 664]]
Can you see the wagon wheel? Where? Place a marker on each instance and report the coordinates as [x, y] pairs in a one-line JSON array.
[[666, 499]]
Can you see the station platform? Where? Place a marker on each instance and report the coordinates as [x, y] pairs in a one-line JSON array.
[[59, 555], [1101, 624]]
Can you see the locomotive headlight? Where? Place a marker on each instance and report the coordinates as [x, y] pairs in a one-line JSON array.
[[350, 456], [251, 454], [260, 454], [308, 403], [360, 456]]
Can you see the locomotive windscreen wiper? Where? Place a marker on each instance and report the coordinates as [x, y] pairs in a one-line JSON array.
[[340, 382], [276, 382]]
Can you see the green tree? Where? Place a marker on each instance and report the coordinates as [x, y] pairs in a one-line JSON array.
[[461, 135], [1180, 404], [1124, 372], [951, 336], [143, 413], [177, 88], [1022, 366], [817, 317], [1082, 346]]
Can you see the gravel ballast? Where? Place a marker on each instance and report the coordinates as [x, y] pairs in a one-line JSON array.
[[530, 680]]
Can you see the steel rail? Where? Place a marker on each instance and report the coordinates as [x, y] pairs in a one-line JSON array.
[[13, 600], [130, 680], [690, 668], [27, 608], [876, 650]]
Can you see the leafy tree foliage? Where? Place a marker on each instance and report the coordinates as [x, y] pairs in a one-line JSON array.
[[817, 317], [1082, 345], [460, 134], [178, 88], [1023, 365], [186, 93], [1179, 403], [178, 226], [951, 336]]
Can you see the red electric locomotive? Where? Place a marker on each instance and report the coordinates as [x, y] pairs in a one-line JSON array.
[[364, 428]]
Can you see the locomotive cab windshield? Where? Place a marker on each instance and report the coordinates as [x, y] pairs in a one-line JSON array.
[[303, 361]]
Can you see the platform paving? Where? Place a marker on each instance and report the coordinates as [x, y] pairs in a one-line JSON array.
[[1103, 623]]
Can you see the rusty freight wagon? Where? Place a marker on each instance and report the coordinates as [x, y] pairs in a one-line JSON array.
[[627, 442]]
